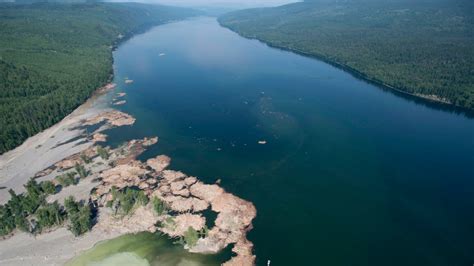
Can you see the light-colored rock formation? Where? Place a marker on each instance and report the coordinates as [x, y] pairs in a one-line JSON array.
[[124, 174], [183, 204], [188, 197], [106, 88], [114, 118], [99, 137], [234, 219], [206, 192], [159, 163], [75, 159], [179, 224], [143, 219], [185, 196], [132, 149], [171, 176], [120, 102], [244, 257], [190, 180], [110, 86]]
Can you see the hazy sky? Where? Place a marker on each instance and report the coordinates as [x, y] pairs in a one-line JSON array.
[[222, 3]]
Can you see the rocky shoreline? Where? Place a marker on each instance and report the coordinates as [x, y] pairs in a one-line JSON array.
[[185, 197]]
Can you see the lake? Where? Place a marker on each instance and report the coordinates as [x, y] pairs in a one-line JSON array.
[[350, 174]]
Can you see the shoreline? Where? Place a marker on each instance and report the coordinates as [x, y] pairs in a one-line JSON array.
[[83, 111], [112, 46], [428, 100], [48, 146], [185, 197]]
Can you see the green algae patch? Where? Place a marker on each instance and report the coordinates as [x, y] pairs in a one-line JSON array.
[[143, 249], [125, 258]]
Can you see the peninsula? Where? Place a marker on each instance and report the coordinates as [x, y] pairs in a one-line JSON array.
[[114, 193]]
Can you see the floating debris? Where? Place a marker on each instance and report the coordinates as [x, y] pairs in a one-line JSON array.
[[262, 142], [128, 81], [162, 54]]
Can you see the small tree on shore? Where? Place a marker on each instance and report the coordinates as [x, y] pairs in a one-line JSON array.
[[127, 198], [159, 206], [86, 159], [103, 153], [71, 206], [49, 215], [67, 179], [142, 199], [80, 216], [81, 170], [48, 187]]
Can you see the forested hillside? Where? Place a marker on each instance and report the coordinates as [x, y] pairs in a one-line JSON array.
[[53, 56], [423, 47]]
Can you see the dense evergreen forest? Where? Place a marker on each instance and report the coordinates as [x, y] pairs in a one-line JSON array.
[[53, 56], [423, 47]]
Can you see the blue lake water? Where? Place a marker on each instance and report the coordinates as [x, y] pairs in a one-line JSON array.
[[350, 174]]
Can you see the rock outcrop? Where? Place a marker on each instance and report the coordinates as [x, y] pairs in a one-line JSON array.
[[188, 198], [122, 102], [114, 118], [75, 159], [184, 196], [159, 163], [99, 137]]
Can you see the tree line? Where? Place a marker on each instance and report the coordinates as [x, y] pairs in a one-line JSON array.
[[53, 56], [420, 47], [30, 212]]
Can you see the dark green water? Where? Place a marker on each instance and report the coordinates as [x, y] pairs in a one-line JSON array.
[[350, 175]]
